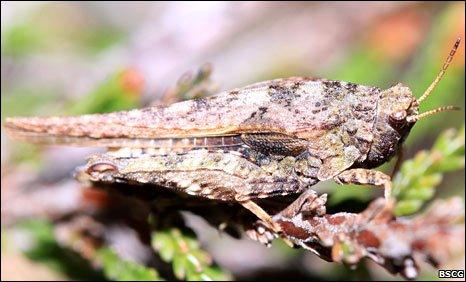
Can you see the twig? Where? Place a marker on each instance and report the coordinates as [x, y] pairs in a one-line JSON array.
[[375, 233]]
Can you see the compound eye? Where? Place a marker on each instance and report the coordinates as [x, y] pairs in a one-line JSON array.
[[101, 167], [398, 117]]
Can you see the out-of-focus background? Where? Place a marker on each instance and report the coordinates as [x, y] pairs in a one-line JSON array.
[[75, 58]]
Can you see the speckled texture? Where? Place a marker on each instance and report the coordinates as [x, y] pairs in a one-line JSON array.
[[270, 138], [221, 175]]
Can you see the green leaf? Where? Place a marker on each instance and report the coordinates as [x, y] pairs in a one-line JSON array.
[[416, 181], [165, 245], [180, 247], [20, 39], [45, 249], [406, 207], [180, 266], [343, 193], [121, 91], [115, 268], [422, 193]]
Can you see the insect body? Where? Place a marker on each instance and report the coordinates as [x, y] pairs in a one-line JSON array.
[[271, 138]]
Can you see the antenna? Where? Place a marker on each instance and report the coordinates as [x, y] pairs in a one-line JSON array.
[[442, 71], [431, 112]]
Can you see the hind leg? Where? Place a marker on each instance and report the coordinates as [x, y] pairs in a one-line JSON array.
[[262, 215], [266, 188]]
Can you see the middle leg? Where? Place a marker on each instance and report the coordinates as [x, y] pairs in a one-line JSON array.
[[362, 176]]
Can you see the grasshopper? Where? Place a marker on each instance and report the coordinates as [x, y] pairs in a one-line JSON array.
[[268, 139]]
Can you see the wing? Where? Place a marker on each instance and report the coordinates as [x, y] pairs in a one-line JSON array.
[[262, 107], [282, 116]]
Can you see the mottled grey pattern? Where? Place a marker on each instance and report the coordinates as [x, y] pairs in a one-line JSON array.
[[270, 138]]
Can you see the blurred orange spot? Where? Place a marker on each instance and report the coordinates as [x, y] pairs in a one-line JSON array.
[[132, 81], [397, 35]]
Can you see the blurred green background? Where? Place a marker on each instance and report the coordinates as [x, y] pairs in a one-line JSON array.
[[74, 58]]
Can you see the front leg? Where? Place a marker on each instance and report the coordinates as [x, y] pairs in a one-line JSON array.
[[360, 176], [399, 159]]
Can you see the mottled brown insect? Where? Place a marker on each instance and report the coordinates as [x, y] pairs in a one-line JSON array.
[[271, 138]]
